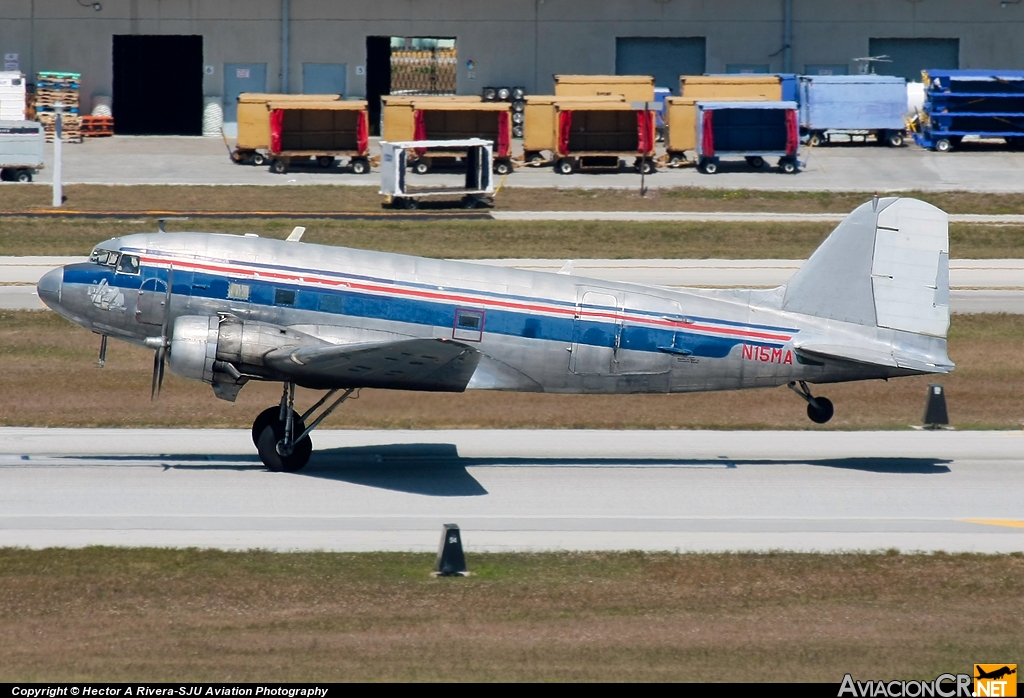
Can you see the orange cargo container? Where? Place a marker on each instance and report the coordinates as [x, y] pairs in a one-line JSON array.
[[322, 130]]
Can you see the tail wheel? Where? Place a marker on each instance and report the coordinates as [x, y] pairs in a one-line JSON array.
[[822, 413]]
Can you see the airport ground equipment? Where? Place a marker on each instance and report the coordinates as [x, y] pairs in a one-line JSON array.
[[21, 150], [599, 135], [540, 123], [961, 103], [324, 131], [751, 130], [477, 190], [680, 129], [450, 119], [631, 88], [252, 146], [859, 106]]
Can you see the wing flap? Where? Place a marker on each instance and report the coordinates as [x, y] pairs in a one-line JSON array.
[[414, 364]]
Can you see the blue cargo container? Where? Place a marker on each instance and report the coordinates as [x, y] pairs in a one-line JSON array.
[[960, 103], [751, 130], [855, 105]]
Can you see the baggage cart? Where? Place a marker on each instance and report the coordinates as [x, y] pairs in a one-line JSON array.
[[961, 103], [399, 192], [857, 106], [540, 124], [449, 119], [681, 129], [749, 130], [21, 150], [301, 131], [252, 146], [599, 135]]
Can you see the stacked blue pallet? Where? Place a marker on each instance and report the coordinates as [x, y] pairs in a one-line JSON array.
[[960, 103]]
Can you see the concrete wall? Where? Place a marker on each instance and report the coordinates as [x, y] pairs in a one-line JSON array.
[[520, 42]]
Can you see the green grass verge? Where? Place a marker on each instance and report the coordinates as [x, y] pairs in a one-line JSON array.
[[109, 614], [366, 198], [503, 239]]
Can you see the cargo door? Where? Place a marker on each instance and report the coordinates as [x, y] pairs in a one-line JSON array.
[[239, 78], [665, 58], [645, 342], [908, 57], [324, 78], [597, 326], [149, 308]]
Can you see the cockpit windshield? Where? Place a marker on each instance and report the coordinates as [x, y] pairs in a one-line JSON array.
[[104, 257]]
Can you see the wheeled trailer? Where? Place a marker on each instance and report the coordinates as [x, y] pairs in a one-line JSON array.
[[21, 150], [599, 135], [477, 190], [324, 131], [252, 145], [749, 130], [962, 103], [854, 106]]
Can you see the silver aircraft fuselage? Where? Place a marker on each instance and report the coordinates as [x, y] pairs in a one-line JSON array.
[[535, 331]]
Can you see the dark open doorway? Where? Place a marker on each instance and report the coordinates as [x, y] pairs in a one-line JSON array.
[[378, 76], [158, 85]]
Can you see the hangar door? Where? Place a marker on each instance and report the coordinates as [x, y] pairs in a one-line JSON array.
[[158, 85], [910, 56], [666, 58]]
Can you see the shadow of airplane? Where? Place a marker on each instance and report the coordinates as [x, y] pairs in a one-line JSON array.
[[437, 469]]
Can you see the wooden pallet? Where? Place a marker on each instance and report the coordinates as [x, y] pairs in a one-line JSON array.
[[97, 126]]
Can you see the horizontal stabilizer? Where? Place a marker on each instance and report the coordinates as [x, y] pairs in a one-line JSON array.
[[412, 364], [875, 355]]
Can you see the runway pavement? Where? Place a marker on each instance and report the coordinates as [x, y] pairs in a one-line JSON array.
[[978, 285], [981, 167], [518, 490]]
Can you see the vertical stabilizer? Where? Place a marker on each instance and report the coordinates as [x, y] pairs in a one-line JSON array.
[[885, 265]]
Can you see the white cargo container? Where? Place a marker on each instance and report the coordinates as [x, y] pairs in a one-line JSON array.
[[21, 150], [12, 96], [477, 190]]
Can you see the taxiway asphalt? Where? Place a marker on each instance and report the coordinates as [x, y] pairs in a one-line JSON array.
[[518, 490], [979, 167]]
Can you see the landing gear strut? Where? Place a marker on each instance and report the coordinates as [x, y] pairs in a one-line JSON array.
[[819, 409], [280, 433]]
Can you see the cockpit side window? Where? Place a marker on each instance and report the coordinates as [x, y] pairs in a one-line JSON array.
[[105, 257], [129, 264]]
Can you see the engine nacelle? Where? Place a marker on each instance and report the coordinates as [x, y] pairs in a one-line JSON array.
[[202, 346]]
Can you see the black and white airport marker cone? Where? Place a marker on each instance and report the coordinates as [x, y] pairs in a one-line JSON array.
[[451, 561], [935, 415]]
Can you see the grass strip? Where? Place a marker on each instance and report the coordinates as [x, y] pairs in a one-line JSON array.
[[460, 239], [101, 197], [50, 380], [114, 614]]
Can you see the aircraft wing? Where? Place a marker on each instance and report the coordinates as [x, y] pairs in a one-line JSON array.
[[412, 364], [881, 355]]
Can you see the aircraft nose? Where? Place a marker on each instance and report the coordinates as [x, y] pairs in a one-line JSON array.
[[49, 286]]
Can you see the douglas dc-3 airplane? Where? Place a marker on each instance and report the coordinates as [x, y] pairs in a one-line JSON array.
[[871, 303]]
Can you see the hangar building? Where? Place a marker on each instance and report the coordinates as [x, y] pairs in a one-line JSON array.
[[159, 59]]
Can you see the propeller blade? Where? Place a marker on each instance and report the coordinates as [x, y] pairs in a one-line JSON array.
[[156, 371], [167, 302]]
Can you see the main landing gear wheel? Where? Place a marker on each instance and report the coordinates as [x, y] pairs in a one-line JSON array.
[[274, 453]]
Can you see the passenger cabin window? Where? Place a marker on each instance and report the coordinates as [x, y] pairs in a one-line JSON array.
[[238, 292], [469, 325], [129, 264], [284, 296]]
